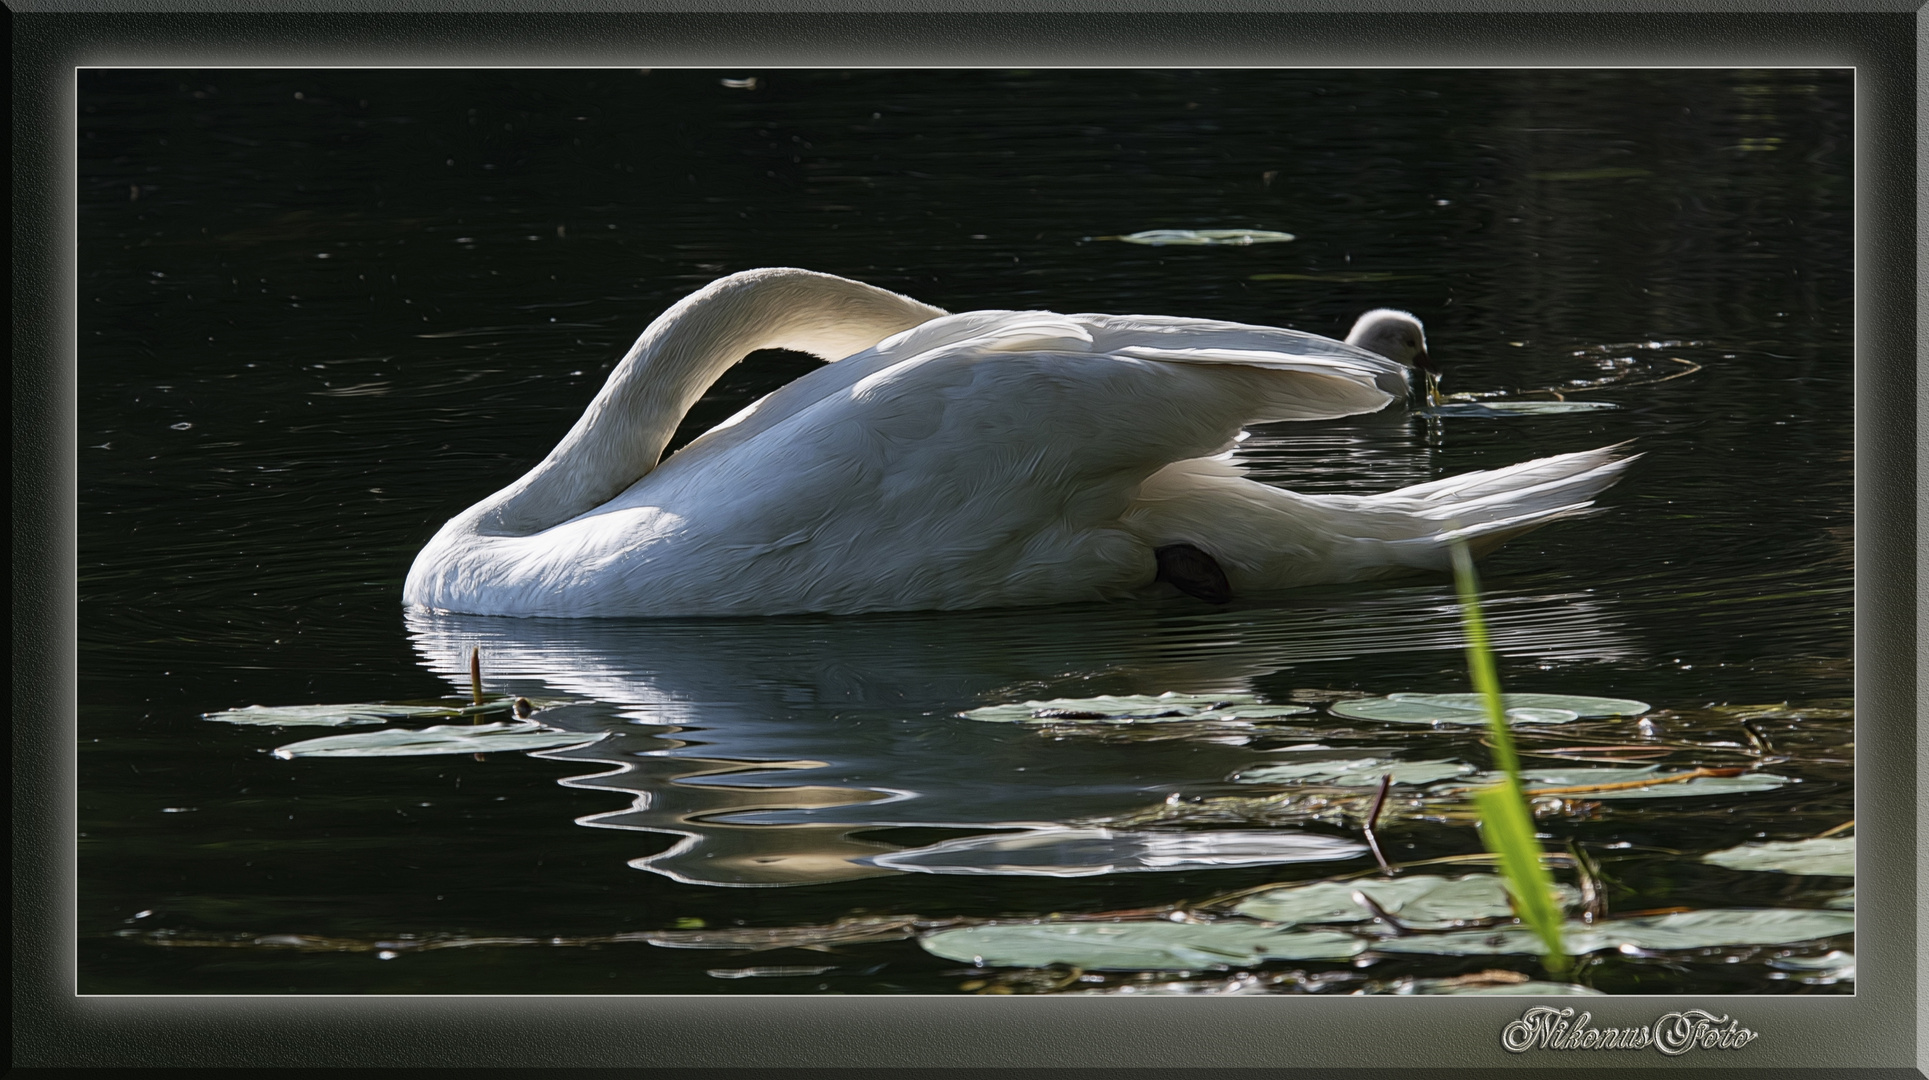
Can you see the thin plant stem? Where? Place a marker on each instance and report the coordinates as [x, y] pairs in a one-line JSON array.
[[475, 674], [1373, 821]]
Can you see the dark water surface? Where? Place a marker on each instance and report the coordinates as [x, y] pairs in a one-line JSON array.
[[321, 312]]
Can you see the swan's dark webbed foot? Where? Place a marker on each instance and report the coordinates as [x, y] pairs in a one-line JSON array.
[[1193, 572]]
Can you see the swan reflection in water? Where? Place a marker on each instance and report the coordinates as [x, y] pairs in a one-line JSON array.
[[778, 749]]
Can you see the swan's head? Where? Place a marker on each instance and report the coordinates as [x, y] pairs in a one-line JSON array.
[[1396, 335]]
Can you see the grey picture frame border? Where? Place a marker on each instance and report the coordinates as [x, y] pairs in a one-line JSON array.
[[1878, 1031]]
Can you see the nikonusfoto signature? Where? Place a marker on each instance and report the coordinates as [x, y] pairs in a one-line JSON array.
[[1675, 1034]]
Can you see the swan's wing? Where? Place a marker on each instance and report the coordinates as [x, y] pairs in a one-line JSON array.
[[1014, 425], [1111, 332], [1145, 337], [992, 330], [990, 470]]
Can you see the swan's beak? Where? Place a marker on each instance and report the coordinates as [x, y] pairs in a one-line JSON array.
[[1431, 374]]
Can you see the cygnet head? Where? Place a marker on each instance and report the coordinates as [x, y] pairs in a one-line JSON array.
[[1396, 335]]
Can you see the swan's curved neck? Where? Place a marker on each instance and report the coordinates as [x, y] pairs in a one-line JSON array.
[[622, 434]]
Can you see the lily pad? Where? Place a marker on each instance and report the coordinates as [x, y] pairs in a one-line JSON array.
[[441, 739], [1060, 851], [1582, 705], [1514, 408], [1532, 779], [1203, 237], [1722, 926], [1355, 772], [329, 715], [1712, 928], [1138, 946], [1832, 855], [1416, 900], [1426, 711], [1136, 709], [374, 712]]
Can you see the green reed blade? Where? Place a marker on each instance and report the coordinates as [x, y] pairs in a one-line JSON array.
[[1506, 825]]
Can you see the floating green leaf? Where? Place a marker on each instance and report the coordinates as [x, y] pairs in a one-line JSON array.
[[1832, 855], [1136, 709], [374, 712], [1723, 926], [1202, 237], [1400, 711], [1355, 772], [1535, 779], [1579, 704], [1712, 928], [441, 739], [1514, 939], [1843, 901], [1138, 946], [330, 715], [1416, 900], [1594, 778]]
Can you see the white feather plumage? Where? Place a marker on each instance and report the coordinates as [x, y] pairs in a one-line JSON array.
[[992, 458]]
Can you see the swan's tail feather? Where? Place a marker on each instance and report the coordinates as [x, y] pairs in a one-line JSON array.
[[1542, 471], [1268, 538], [1488, 508]]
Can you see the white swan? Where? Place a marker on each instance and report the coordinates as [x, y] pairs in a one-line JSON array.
[[991, 458]]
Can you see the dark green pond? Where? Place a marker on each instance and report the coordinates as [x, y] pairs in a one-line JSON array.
[[321, 312]]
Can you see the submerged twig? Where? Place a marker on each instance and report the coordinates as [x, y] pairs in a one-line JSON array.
[[1839, 829], [1628, 753], [1384, 916]]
